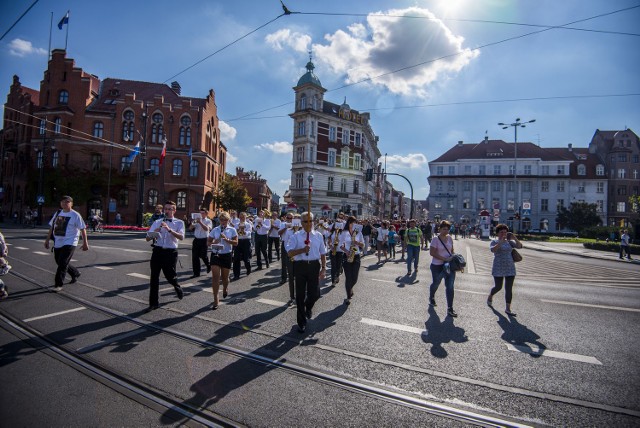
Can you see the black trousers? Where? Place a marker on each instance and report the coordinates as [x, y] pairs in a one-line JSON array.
[[351, 271], [261, 249], [273, 241], [162, 259], [242, 253], [336, 265], [63, 256], [286, 272], [199, 252], [307, 287]]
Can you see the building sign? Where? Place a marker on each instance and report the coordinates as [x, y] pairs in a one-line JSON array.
[[338, 195], [351, 116]]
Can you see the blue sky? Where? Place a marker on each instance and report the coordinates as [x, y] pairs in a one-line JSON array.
[[475, 68]]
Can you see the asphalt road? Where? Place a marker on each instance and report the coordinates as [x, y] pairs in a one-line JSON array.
[[568, 359]]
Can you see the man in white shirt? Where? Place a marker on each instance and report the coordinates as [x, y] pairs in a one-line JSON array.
[[242, 251], [274, 237], [286, 270], [165, 253], [262, 226], [201, 227], [65, 226]]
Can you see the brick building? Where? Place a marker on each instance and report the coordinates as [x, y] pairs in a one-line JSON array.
[[258, 190], [74, 136]]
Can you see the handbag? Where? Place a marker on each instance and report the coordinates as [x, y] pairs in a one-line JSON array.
[[458, 262], [516, 256]]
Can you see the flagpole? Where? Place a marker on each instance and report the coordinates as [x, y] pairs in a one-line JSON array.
[[189, 179], [66, 39], [50, 29]]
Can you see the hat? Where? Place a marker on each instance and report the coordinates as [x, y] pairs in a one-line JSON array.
[[66, 198]]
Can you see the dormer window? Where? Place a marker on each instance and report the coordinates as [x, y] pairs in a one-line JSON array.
[[582, 170]]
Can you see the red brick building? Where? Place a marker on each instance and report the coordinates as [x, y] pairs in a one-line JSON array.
[[257, 189], [74, 136]]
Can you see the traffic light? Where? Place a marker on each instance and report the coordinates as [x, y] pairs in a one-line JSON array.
[[517, 216], [368, 175]]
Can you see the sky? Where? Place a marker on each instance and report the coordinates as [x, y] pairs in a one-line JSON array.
[[430, 72]]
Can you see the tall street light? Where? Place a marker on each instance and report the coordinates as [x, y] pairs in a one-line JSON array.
[[517, 124]]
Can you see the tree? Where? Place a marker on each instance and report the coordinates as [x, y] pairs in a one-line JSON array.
[[231, 194], [634, 201], [578, 216]]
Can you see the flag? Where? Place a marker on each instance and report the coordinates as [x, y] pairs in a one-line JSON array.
[[190, 153], [64, 20], [135, 152], [164, 151]]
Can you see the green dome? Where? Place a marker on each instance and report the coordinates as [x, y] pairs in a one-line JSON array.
[[309, 77]]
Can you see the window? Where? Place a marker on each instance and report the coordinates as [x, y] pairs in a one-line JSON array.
[[181, 200], [622, 173], [98, 129], [636, 158], [345, 137], [511, 205], [480, 203], [466, 186], [544, 205], [344, 159], [526, 186], [482, 170], [125, 164], [57, 124], [581, 187], [438, 205], [193, 168], [450, 204], [496, 186], [157, 133], [599, 205], [496, 170], [622, 157], [155, 166], [299, 180], [600, 170], [128, 126], [312, 130], [545, 170], [527, 170], [466, 204], [152, 198], [343, 185], [439, 170], [301, 129], [177, 167], [332, 133], [560, 204], [544, 186], [63, 98], [185, 131], [621, 207], [54, 158], [358, 139], [331, 161], [560, 187], [123, 198], [512, 169], [511, 186], [467, 169], [451, 186], [481, 186], [300, 154], [599, 187], [438, 186], [43, 126], [622, 191], [357, 161], [582, 170], [40, 159], [303, 102], [96, 160], [330, 184], [356, 187], [560, 169], [452, 170]]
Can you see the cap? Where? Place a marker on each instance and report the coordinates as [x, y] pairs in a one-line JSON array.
[[66, 198]]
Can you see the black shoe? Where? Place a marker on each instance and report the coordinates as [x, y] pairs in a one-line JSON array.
[[282, 281], [291, 302], [432, 302], [301, 328], [308, 313], [151, 308], [194, 276], [74, 279], [259, 268], [511, 314], [347, 301], [208, 268], [214, 306], [179, 291], [452, 313], [267, 265], [408, 273], [224, 294]]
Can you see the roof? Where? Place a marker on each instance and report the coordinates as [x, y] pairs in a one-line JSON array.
[[498, 149], [309, 76]]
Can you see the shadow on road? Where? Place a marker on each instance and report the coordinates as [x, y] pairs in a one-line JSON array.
[[441, 332], [518, 334]]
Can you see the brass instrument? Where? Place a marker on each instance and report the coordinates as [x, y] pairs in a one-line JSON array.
[[336, 239], [241, 231], [353, 250]]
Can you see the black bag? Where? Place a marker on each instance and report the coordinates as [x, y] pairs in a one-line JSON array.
[[458, 262]]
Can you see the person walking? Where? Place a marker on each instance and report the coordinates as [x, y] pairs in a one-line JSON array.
[[286, 269], [274, 237], [392, 241], [201, 227], [382, 241], [66, 227], [402, 233], [366, 233], [504, 268], [441, 249], [222, 239], [624, 244], [310, 265], [352, 245], [335, 251], [262, 226], [164, 256], [242, 252], [412, 239]]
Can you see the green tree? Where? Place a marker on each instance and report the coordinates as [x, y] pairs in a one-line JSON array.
[[634, 202], [232, 195], [578, 216]]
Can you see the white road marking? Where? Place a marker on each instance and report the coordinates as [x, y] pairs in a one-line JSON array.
[[393, 326], [484, 293], [103, 267], [21, 248], [55, 314], [74, 260], [471, 267], [139, 275], [42, 253], [553, 354], [111, 340], [383, 280], [615, 308], [120, 249], [272, 302]]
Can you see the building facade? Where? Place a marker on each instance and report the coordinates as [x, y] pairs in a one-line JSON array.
[[76, 135], [257, 189], [470, 178], [335, 144]]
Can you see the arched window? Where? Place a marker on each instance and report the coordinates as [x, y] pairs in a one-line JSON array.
[[98, 129], [181, 201], [177, 167], [193, 168], [63, 98], [155, 166], [123, 197], [125, 165], [185, 131], [57, 124], [157, 130], [128, 125], [152, 200], [582, 170], [303, 102]]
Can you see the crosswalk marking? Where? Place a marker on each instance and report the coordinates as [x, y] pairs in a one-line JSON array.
[[615, 308], [471, 267], [42, 253], [272, 302], [55, 314], [103, 267], [139, 275], [393, 326], [21, 248], [536, 350], [110, 340]]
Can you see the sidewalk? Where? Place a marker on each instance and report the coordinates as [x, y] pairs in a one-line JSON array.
[[574, 249]]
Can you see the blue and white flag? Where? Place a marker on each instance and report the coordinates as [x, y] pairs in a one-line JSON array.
[[64, 20], [135, 152]]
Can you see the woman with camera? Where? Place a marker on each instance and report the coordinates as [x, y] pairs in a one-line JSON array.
[[504, 268], [441, 249]]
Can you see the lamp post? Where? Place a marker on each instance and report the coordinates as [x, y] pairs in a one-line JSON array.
[[141, 163], [517, 124]]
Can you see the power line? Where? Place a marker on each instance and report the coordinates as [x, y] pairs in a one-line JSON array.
[[18, 20]]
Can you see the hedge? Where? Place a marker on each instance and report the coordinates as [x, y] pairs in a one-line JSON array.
[[611, 247]]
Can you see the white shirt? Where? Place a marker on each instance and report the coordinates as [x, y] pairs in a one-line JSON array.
[[345, 241], [233, 222], [288, 232], [244, 230], [229, 232], [316, 245], [67, 227], [262, 225], [273, 233], [382, 234], [200, 232], [166, 239]]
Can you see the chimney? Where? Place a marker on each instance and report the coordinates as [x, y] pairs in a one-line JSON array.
[[460, 143], [486, 138], [570, 147], [176, 87]]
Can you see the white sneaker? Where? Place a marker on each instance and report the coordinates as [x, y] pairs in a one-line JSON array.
[[57, 289]]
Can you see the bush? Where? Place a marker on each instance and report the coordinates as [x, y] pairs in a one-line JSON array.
[[126, 228], [603, 232], [533, 237], [611, 247]]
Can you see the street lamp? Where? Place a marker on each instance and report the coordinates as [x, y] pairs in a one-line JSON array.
[[517, 124]]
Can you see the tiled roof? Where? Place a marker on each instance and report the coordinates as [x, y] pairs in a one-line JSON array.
[[498, 149], [580, 156], [35, 95]]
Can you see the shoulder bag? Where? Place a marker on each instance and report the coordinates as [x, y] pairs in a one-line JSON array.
[[458, 262], [516, 256]]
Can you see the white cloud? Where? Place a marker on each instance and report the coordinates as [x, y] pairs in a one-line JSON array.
[[231, 158], [21, 48], [227, 132], [389, 43], [277, 147], [411, 161], [286, 181], [284, 38]]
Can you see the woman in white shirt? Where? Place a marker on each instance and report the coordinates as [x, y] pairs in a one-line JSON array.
[[441, 249], [383, 236], [221, 239]]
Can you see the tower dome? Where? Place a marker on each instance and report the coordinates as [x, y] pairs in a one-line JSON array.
[[309, 76]]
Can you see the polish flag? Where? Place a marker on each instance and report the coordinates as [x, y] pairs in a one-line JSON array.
[[164, 151]]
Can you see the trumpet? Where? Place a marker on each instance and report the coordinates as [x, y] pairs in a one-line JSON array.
[[353, 250], [241, 231]]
